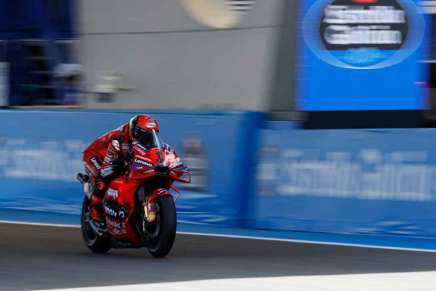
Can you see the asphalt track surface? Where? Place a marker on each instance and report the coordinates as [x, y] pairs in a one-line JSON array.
[[43, 257]]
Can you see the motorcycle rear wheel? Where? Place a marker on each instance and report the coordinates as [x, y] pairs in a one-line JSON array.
[[166, 226], [97, 244]]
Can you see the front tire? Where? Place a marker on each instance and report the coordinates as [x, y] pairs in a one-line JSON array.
[[97, 244], [166, 227]]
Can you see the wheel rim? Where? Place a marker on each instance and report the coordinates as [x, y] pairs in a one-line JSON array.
[[154, 234]]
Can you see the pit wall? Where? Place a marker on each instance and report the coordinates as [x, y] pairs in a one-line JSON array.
[[251, 177]]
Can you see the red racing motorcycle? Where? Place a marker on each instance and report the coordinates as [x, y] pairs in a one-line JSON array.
[[139, 209]]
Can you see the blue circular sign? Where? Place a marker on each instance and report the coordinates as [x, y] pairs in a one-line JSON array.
[[363, 34]]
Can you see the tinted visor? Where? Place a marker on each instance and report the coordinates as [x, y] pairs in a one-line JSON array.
[[145, 137]]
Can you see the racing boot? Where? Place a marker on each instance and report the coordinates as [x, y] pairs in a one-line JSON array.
[[97, 222], [96, 205], [96, 208]]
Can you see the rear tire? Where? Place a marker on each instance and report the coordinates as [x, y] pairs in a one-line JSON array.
[[167, 219], [97, 244]]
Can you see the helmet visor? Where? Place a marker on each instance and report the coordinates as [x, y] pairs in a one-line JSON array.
[[145, 137]]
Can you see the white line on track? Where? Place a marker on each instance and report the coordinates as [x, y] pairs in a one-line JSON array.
[[247, 237]]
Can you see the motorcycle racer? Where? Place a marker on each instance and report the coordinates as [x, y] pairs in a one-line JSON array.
[[105, 158]]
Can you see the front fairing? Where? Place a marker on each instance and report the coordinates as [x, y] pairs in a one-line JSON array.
[[146, 161], [143, 162]]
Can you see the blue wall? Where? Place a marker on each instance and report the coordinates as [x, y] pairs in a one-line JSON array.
[[267, 179], [40, 154], [375, 182]]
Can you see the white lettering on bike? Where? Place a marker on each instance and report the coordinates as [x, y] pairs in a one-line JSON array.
[[144, 163]]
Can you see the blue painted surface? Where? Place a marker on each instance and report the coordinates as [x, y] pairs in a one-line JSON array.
[[41, 151], [375, 182], [382, 241], [365, 187], [327, 82], [30, 216]]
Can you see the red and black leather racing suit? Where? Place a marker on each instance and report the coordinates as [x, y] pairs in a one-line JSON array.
[[104, 159]]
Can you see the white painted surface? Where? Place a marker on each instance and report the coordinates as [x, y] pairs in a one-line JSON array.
[[411, 281]]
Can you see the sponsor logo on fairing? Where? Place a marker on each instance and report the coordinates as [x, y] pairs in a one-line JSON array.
[[116, 227], [112, 193], [143, 163], [115, 211], [112, 223]]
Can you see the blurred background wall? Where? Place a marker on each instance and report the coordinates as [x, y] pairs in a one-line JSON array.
[[210, 57], [35, 37], [181, 54]]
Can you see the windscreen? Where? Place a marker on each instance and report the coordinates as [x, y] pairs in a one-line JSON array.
[[147, 138]]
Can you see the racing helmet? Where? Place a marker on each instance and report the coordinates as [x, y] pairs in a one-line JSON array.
[[141, 129]]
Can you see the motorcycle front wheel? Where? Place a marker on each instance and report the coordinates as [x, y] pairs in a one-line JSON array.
[[97, 244], [164, 229]]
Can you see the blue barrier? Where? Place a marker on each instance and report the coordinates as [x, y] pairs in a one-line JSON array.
[[328, 186], [373, 182], [41, 151]]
